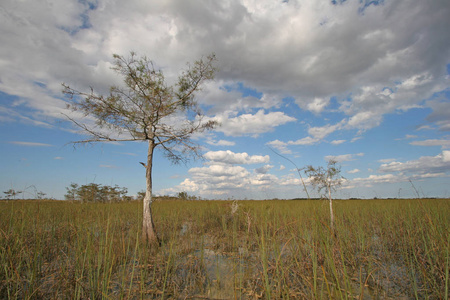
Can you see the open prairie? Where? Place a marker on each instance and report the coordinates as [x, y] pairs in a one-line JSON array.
[[381, 249]]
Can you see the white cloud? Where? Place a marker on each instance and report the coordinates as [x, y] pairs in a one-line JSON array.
[[337, 142], [215, 179], [446, 156], [425, 164], [377, 179], [311, 52], [317, 134], [317, 105], [222, 96], [220, 143], [444, 143], [355, 62], [280, 146], [263, 169], [230, 157], [30, 144], [251, 124], [354, 171], [343, 157], [304, 141], [386, 160], [290, 181], [263, 179], [364, 120], [440, 114], [322, 132]]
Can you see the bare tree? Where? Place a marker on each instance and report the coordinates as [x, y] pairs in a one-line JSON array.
[[147, 109], [328, 179]]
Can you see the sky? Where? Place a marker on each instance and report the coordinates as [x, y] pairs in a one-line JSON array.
[[366, 83]]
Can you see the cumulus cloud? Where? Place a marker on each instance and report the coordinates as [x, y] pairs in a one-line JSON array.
[[354, 171], [230, 157], [424, 165], [440, 114], [353, 50], [317, 134], [337, 142], [353, 58], [317, 105], [220, 142], [280, 146], [263, 169], [263, 179], [322, 132], [386, 160], [251, 124], [216, 179], [377, 179], [444, 143], [423, 168], [446, 156], [222, 175], [220, 96]]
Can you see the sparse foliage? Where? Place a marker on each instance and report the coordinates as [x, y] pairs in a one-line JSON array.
[[41, 195], [328, 180], [147, 109], [185, 196], [140, 195], [11, 193], [94, 192]]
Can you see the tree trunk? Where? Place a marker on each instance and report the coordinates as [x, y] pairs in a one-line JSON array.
[[148, 228], [331, 210]]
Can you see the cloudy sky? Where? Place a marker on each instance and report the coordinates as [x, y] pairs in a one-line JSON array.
[[364, 82]]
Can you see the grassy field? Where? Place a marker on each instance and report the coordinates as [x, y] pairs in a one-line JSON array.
[[381, 249]]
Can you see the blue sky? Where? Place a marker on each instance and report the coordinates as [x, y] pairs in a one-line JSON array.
[[364, 82]]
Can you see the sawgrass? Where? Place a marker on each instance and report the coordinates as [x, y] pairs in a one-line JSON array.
[[223, 249]]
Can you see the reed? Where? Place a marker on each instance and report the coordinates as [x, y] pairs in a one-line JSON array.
[[217, 249]]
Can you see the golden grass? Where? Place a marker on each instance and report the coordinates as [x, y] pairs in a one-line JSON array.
[[385, 249]]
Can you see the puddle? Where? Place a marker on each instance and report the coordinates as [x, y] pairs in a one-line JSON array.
[[225, 273]]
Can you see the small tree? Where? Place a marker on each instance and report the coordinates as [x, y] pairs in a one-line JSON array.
[[328, 179], [94, 192], [11, 194], [40, 195], [71, 193], [147, 109]]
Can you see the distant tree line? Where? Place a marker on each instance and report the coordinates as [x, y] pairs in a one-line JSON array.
[[94, 192], [186, 196]]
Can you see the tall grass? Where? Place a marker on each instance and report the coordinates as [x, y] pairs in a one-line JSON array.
[[264, 249]]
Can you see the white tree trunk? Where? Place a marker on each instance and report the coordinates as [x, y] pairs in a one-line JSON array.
[[331, 209], [148, 228]]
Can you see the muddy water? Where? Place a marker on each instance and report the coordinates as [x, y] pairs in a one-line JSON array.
[[226, 272]]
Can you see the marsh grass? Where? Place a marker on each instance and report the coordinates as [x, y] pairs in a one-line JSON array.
[[387, 249]]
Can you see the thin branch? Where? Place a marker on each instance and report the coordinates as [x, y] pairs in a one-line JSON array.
[[297, 168]]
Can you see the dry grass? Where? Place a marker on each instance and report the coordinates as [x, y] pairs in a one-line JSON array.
[[388, 249]]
